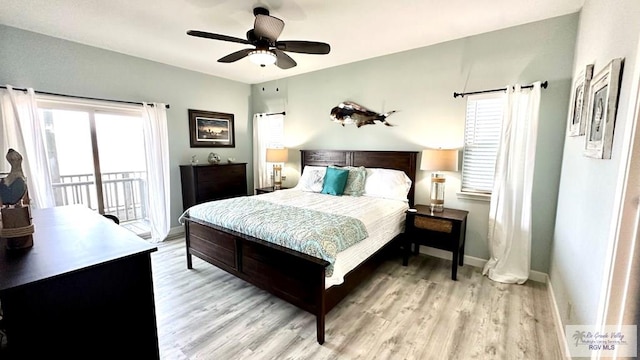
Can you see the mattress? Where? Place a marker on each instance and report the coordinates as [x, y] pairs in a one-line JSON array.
[[384, 219]]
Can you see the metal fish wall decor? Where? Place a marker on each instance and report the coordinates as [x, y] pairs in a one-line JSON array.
[[348, 113]]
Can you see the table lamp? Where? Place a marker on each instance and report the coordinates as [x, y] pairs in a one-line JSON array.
[[437, 160], [277, 156]]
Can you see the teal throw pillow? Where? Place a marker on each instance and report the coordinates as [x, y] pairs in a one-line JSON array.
[[334, 181]]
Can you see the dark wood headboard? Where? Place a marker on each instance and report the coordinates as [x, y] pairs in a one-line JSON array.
[[397, 160]]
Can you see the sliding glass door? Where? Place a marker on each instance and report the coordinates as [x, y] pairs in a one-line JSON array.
[[122, 165], [69, 154], [96, 158]]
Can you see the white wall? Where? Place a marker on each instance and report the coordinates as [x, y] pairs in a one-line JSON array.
[[589, 188], [50, 64], [420, 85]]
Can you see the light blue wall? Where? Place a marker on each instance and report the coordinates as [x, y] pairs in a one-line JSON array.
[[420, 84], [50, 64], [589, 188]]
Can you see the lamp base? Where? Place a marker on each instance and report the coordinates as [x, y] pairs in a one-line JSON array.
[[277, 177], [437, 192]]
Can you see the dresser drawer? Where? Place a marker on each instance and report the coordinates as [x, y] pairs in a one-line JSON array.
[[426, 223], [220, 172]]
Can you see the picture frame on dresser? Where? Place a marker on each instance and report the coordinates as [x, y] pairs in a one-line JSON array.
[[211, 129], [603, 103], [577, 117]]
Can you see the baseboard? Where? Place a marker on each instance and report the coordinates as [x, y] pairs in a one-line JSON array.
[[536, 276], [564, 347], [175, 232]]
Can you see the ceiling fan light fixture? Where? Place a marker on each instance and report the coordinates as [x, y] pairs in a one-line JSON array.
[[267, 49], [262, 57]]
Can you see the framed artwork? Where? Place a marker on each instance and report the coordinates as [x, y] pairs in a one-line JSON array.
[[603, 103], [211, 129], [579, 101]]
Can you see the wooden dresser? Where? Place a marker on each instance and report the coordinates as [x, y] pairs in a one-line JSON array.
[[83, 291], [202, 183]]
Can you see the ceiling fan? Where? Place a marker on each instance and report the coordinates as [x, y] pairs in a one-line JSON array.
[[264, 37]]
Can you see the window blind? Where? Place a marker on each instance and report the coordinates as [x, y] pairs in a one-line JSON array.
[[482, 133], [274, 136]]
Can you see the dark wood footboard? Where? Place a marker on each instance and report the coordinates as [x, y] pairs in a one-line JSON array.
[[292, 276]]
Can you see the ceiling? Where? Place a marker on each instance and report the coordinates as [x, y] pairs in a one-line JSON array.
[[355, 29]]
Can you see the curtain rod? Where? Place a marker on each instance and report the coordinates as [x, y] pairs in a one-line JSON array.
[[455, 94], [82, 97], [280, 113]]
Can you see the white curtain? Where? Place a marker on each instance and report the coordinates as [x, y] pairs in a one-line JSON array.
[[510, 209], [156, 146], [267, 132], [21, 130]]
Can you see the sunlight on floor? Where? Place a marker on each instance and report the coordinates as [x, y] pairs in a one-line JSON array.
[[139, 227]]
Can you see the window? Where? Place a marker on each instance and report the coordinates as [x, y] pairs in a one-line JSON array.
[[268, 132], [481, 141], [274, 136]]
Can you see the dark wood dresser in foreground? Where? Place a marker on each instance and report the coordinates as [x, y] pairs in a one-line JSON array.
[[83, 291], [202, 183]]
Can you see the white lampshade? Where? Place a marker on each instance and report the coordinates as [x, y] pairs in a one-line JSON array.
[[262, 57], [439, 160], [277, 155]]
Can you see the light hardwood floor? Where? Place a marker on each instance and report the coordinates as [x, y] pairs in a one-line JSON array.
[[413, 312]]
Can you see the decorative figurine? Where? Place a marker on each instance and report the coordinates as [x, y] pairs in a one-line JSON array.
[[213, 158], [17, 228], [194, 161]]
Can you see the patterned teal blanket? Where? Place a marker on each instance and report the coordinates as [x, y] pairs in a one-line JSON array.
[[315, 233]]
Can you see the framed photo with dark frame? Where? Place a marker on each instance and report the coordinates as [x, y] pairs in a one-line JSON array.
[[579, 101], [603, 104], [211, 129]]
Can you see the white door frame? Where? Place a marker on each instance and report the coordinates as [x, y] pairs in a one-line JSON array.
[[621, 284]]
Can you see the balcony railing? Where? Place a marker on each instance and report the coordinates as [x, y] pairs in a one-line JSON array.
[[124, 193]]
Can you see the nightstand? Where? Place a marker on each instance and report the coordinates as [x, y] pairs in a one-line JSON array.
[[267, 189], [443, 230]]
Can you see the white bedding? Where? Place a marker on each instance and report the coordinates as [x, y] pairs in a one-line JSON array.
[[383, 218]]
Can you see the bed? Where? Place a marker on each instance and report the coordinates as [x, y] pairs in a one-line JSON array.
[[296, 277]]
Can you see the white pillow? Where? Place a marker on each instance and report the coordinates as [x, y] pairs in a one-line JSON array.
[[311, 179], [387, 184]]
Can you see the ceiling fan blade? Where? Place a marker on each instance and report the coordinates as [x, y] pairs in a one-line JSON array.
[[268, 27], [208, 35], [235, 56], [304, 47], [284, 61]]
